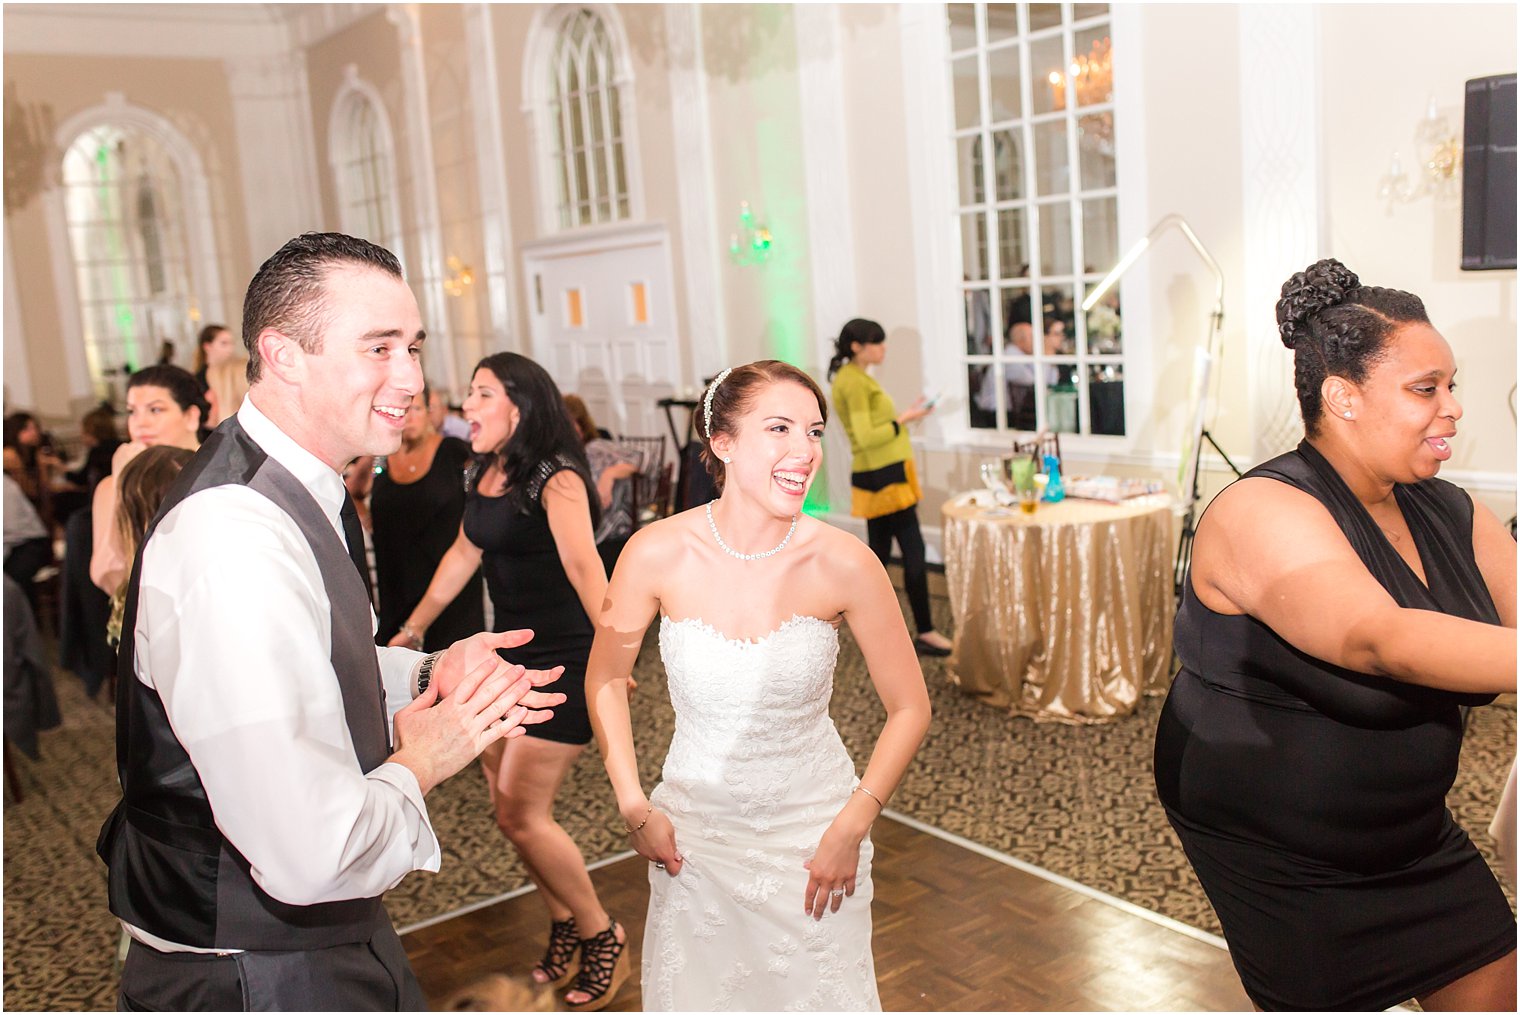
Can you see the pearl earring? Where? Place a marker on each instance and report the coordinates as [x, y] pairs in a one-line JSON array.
[[1348, 415], [727, 460]]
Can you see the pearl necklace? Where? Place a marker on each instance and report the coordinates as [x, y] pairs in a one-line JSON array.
[[748, 556]]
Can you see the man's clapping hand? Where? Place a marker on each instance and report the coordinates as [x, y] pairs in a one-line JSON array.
[[438, 734]]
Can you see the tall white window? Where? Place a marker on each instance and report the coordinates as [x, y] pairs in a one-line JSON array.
[[1038, 212], [363, 161], [126, 226], [585, 123]]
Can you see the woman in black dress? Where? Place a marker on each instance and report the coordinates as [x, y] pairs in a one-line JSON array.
[[1343, 604], [529, 521], [416, 502]]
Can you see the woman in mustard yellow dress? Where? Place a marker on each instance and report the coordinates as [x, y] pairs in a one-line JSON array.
[[884, 486]]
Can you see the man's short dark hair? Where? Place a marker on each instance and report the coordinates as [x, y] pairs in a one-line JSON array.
[[288, 292]]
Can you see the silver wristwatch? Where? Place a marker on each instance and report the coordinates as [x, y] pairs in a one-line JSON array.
[[425, 671]]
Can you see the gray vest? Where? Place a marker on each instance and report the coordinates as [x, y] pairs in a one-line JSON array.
[[172, 873]]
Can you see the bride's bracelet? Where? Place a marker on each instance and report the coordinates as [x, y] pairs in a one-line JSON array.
[[880, 806], [641, 824]]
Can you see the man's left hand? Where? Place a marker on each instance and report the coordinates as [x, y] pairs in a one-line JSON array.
[[467, 653]]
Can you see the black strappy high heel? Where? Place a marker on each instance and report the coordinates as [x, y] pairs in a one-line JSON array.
[[564, 942], [604, 968]]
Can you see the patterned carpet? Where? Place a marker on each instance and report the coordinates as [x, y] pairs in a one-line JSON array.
[[1077, 801]]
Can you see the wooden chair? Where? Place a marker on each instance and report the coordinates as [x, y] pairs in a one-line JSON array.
[[1043, 443], [651, 484]]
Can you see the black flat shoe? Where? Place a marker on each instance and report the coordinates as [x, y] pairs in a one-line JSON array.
[[923, 648]]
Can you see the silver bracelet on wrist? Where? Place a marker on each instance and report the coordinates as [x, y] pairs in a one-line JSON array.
[[873, 796]]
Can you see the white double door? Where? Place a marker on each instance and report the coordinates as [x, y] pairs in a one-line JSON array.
[[603, 321]]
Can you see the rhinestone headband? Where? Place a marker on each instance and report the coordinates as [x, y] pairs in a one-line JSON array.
[[712, 389]]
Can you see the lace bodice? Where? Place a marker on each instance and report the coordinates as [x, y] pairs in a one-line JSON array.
[[755, 774]]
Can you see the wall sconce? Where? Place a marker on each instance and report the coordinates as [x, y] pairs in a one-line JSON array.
[[1439, 151], [752, 243], [460, 277], [29, 155]]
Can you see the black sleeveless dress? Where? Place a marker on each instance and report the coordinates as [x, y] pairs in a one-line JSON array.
[[415, 524], [1311, 800], [529, 588]]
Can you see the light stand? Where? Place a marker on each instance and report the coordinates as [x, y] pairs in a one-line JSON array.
[[1193, 451]]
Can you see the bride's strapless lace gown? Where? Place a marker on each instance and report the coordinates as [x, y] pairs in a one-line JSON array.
[[755, 774]]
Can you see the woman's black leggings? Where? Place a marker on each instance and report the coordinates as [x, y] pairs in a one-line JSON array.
[[903, 527]]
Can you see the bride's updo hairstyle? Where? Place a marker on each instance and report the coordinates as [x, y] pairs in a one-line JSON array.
[[1337, 327], [730, 396]]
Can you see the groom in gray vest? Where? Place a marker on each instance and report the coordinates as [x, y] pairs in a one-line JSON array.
[[273, 761]]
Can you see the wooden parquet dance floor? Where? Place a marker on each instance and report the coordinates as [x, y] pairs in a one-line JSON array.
[[954, 931]]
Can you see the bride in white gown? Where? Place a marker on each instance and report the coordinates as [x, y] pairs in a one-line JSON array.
[[758, 835]]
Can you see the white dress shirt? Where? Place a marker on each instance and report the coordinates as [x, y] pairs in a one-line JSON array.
[[234, 633]]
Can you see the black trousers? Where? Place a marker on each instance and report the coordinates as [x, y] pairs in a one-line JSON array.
[[372, 976], [25, 560], [903, 527]]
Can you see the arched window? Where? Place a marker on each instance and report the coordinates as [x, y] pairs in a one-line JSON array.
[[583, 123], [363, 162], [126, 226]]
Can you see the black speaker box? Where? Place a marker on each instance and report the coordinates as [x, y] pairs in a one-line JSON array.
[[1488, 174]]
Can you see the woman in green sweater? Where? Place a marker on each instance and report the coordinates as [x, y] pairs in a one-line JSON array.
[[883, 481]]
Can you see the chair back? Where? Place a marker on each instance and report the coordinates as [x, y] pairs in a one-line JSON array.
[[1043, 443], [651, 484]]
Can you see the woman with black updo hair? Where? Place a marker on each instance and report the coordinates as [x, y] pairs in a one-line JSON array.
[[1343, 605]]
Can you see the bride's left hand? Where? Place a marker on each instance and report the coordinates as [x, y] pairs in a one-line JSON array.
[[831, 870]]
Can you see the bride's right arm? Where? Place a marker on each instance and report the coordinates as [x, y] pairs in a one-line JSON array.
[[631, 604]]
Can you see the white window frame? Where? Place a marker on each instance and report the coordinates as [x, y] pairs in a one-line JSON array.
[[200, 238], [539, 52], [341, 153], [934, 190]]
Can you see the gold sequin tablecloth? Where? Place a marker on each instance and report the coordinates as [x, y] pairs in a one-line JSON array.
[[1065, 614]]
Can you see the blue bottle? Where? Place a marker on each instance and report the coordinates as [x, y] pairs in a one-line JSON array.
[[1054, 490]]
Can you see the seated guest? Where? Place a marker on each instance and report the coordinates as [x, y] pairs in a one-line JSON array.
[[30, 461], [28, 546], [101, 439], [164, 406], [30, 702], [140, 490], [97, 430], [613, 466]]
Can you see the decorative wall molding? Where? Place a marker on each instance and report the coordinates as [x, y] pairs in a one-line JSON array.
[[1282, 196], [310, 23], [707, 336], [826, 162], [272, 113], [18, 364], [180, 31], [424, 179], [926, 104], [826, 172], [491, 167]]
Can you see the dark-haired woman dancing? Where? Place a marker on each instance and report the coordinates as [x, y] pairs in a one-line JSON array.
[[883, 482], [528, 521], [1343, 605]]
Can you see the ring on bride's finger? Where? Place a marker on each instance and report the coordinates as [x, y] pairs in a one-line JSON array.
[[837, 893], [659, 866]]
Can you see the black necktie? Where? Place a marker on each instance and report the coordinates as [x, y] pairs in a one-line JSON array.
[[355, 536]]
